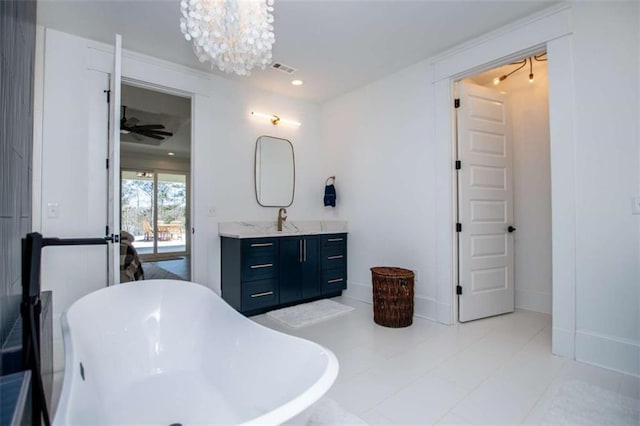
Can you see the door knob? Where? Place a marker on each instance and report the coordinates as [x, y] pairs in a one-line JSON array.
[[511, 228]]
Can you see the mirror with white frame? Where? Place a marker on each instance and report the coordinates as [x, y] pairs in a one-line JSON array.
[[275, 172]]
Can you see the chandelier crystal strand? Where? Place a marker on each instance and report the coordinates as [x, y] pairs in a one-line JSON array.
[[234, 35]]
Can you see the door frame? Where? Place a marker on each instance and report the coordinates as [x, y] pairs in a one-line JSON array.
[[191, 96], [550, 30]]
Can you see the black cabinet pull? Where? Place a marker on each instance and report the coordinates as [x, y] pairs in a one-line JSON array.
[[335, 257], [266, 293], [334, 240]]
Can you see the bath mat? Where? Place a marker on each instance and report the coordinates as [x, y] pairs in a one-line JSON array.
[[328, 412], [577, 402], [309, 313]]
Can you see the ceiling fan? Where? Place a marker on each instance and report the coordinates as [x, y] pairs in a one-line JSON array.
[[130, 125]]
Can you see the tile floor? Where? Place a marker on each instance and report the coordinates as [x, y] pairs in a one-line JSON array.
[[180, 267], [493, 371]]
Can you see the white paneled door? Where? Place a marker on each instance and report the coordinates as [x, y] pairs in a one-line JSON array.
[[113, 184], [485, 204]]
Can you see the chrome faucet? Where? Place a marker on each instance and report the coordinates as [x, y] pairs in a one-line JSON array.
[[282, 216]]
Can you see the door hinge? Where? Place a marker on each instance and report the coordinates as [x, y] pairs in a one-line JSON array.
[[458, 289], [107, 163], [108, 92], [458, 164], [458, 227], [106, 230], [456, 103]]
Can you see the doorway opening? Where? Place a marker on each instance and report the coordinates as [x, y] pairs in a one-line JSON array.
[[503, 190], [155, 179]]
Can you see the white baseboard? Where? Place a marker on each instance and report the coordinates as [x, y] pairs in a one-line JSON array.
[[361, 292], [563, 343], [423, 307], [610, 352], [533, 301], [444, 314]]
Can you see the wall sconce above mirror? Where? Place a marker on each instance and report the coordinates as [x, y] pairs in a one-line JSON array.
[[274, 172], [276, 119]]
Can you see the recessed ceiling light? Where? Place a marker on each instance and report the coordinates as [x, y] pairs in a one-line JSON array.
[[297, 82], [170, 153]]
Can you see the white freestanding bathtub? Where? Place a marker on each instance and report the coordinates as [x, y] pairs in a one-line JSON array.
[[170, 352]]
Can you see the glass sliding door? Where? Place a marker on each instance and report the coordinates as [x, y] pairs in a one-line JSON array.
[[154, 210], [138, 209], [172, 212]]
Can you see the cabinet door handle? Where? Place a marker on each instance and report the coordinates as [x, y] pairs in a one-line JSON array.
[[305, 250], [263, 265], [334, 240], [337, 280], [266, 293], [335, 257], [261, 244], [299, 251]]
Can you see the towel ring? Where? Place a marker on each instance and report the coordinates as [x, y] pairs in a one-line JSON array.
[[330, 178]]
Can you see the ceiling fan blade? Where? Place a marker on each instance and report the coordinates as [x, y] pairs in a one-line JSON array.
[[152, 136], [150, 132], [150, 126], [158, 132]]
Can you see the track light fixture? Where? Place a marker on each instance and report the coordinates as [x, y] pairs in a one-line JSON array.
[[521, 64]]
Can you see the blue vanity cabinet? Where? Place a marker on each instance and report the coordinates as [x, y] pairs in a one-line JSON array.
[[261, 274], [333, 259], [299, 269], [250, 273]]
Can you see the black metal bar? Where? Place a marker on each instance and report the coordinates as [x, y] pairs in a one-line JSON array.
[[31, 307]]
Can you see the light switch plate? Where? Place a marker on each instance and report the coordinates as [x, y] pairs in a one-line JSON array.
[[211, 211], [635, 206], [53, 210]]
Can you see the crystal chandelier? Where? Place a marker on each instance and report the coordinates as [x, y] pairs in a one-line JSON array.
[[235, 35]]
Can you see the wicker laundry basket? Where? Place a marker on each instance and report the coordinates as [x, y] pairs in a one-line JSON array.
[[392, 296]]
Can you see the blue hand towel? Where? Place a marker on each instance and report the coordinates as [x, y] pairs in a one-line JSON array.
[[330, 195]]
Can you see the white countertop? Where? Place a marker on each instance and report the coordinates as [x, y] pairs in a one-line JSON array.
[[260, 229]]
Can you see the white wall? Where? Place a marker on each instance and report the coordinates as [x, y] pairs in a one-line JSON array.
[[529, 108], [607, 176], [74, 151], [381, 140], [380, 150], [528, 105]]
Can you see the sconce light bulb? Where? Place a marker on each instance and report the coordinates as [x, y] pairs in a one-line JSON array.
[[275, 119], [496, 81], [530, 78]]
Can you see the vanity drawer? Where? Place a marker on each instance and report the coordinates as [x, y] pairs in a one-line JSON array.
[[329, 240], [259, 294], [334, 280], [259, 267], [334, 257], [260, 247]]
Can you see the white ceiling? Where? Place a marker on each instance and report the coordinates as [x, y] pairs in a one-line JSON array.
[[337, 46]]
